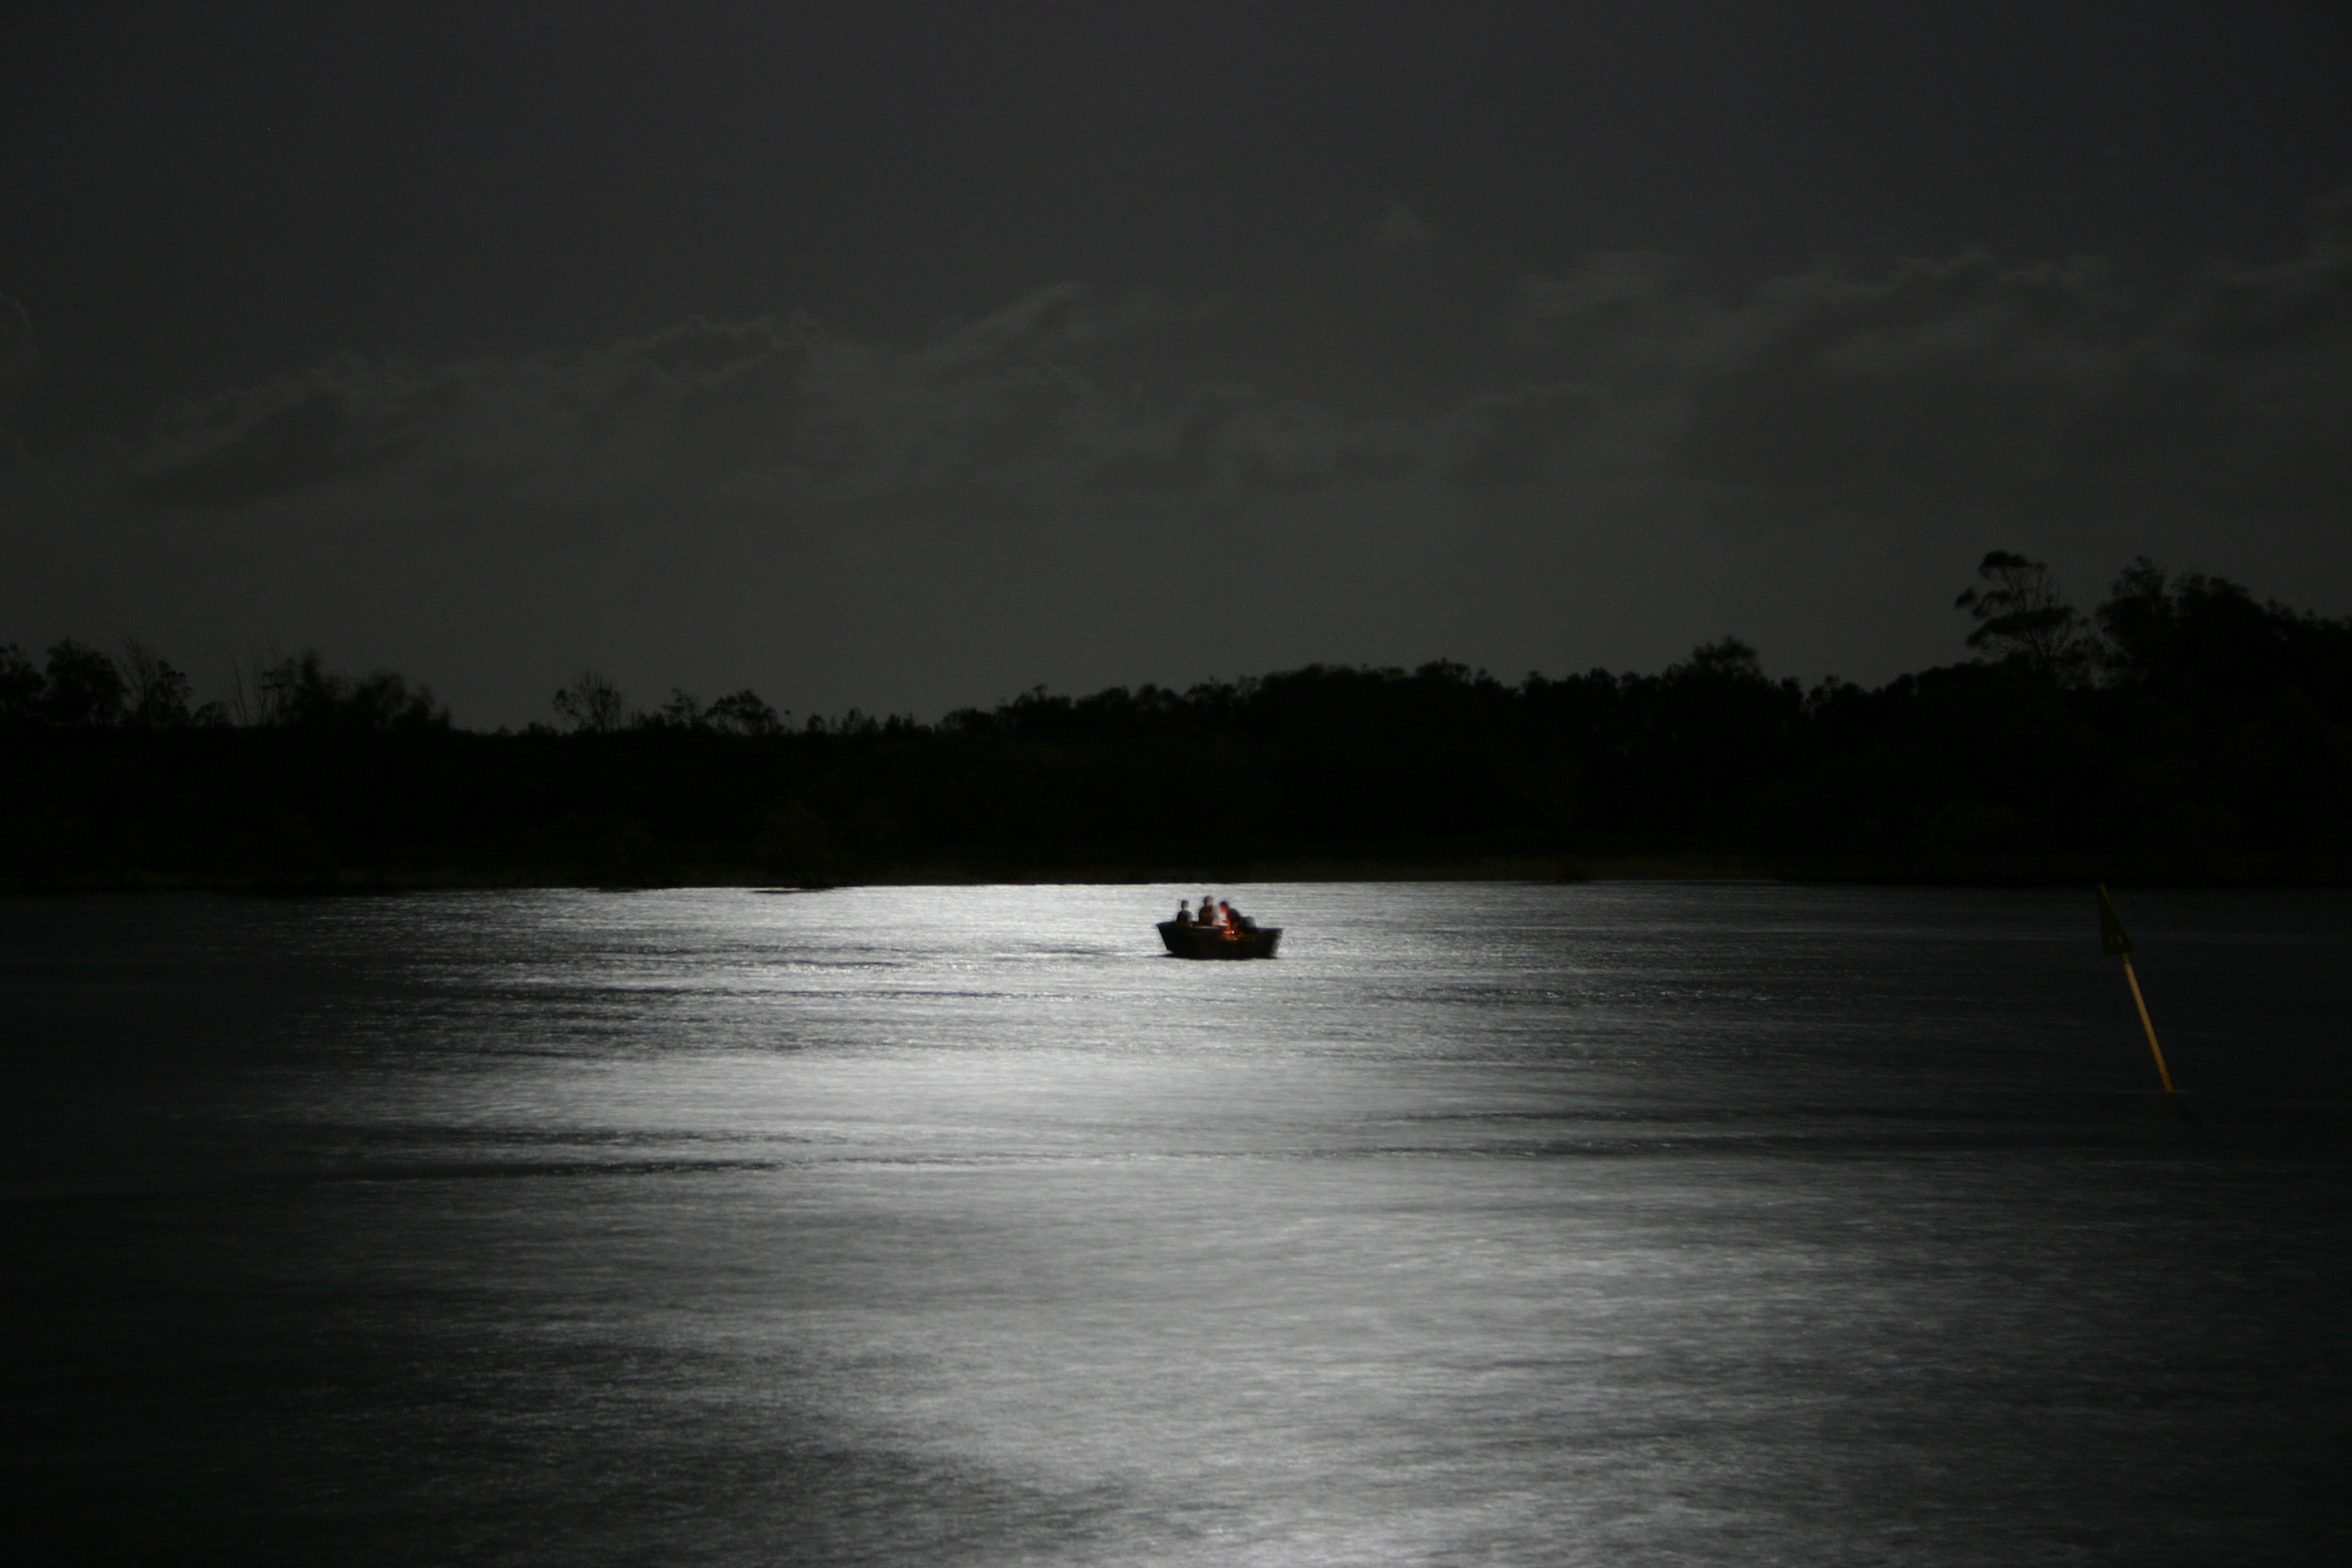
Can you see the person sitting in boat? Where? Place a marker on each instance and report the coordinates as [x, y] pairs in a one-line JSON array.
[[1183, 911], [1208, 910], [1228, 919]]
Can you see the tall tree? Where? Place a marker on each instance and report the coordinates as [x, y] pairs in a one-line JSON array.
[[22, 685], [158, 692], [84, 686], [590, 703], [2023, 619]]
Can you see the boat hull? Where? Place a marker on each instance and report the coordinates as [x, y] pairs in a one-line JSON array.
[[1211, 941]]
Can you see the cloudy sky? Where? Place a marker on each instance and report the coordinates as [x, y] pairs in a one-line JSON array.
[[909, 355]]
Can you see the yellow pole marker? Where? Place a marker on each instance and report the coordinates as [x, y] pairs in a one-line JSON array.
[[2117, 942]]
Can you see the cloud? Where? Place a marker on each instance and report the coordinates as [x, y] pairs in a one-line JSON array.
[[1003, 406], [1944, 374], [1039, 493], [1515, 438], [1939, 381], [1617, 300], [638, 411], [271, 442], [1963, 381], [1400, 228]]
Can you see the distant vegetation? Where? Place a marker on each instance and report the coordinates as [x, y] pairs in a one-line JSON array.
[[2181, 730]]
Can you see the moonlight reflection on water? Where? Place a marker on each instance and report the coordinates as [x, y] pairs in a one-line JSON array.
[[1495, 1223]]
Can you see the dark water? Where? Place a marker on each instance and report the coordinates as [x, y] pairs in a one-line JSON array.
[[1612, 1224]]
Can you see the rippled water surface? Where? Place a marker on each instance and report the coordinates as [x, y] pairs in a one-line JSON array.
[[1606, 1224]]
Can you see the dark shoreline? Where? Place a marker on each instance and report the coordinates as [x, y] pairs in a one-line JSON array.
[[1694, 866], [2200, 740]]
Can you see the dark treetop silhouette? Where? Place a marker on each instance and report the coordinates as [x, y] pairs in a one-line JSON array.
[[2184, 731]]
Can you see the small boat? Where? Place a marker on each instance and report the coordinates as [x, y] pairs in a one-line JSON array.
[[1218, 941]]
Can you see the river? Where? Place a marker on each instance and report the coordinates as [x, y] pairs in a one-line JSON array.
[[1606, 1223]]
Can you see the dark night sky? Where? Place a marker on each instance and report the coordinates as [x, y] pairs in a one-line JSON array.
[[909, 355]]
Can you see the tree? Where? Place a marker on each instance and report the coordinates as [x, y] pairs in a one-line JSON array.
[[84, 686], [2192, 632], [301, 692], [159, 693], [22, 686], [2023, 617], [742, 714], [1727, 659], [590, 703]]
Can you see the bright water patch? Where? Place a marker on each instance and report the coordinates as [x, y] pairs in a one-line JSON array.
[[1610, 1224]]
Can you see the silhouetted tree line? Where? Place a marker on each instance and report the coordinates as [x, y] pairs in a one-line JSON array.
[[2181, 729]]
